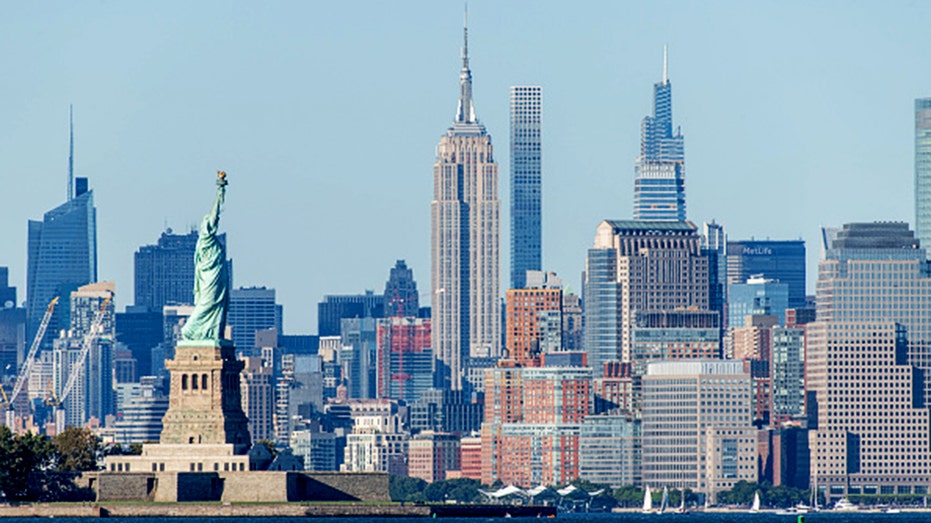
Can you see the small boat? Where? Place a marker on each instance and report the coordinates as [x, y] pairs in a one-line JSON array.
[[844, 505], [682, 509], [892, 510], [665, 503], [755, 508], [647, 500]]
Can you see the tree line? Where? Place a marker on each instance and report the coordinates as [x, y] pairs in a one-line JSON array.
[[34, 467], [464, 490]]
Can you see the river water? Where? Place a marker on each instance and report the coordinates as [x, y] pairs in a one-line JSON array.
[[697, 517]]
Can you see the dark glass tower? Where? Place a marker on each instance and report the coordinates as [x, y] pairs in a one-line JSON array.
[[526, 184], [164, 272], [62, 255], [335, 308], [659, 186], [780, 260], [401, 296]]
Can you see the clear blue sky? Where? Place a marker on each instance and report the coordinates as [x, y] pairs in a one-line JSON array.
[[326, 116]]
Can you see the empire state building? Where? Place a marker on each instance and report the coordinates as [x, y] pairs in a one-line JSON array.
[[465, 214]]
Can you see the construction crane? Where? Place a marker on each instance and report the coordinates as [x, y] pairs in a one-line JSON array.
[[31, 355], [89, 338]]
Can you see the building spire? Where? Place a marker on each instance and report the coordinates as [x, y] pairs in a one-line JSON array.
[[465, 112], [465, 36], [70, 152], [665, 70]]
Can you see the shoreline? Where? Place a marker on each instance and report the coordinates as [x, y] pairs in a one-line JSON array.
[[312, 510]]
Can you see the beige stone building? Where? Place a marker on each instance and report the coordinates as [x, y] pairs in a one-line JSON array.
[[697, 430], [868, 435], [465, 224], [862, 371], [636, 268], [258, 398]]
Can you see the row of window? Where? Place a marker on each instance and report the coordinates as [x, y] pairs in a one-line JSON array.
[[193, 380]]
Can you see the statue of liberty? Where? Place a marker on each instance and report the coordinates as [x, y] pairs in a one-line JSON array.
[[211, 279]]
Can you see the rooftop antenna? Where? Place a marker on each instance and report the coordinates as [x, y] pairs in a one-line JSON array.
[[465, 36], [70, 152], [664, 64]]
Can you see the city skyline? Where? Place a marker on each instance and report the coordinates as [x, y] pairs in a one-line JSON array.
[[201, 87]]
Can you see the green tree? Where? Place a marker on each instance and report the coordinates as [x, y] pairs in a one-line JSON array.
[[270, 445], [403, 488], [742, 493], [77, 450], [463, 490], [628, 496], [22, 459]]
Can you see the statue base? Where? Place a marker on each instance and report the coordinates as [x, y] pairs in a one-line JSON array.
[[205, 406]]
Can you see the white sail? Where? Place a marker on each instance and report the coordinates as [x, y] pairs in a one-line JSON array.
[[756, 502], [647, 499], [665, 503]]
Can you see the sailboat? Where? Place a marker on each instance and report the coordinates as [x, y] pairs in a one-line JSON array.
[[756, 503], [682, 509], [647, 500], [665, 503]]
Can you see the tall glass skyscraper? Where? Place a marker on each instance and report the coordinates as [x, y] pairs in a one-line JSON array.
[[62, 255], [526, 184], [659, 186], [923, 170], [779, 260], [465, 271]]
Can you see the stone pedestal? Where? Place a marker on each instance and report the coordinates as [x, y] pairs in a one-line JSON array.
[[205, 406]]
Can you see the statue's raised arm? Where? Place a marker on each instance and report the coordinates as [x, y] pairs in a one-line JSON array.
[[211, 279]]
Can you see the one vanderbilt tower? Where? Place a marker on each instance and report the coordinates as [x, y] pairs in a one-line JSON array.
[[659, 186], [464, 240]]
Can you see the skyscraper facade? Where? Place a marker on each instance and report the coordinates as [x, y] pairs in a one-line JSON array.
[[788, 374], [252, 309], [164, 272], [256, 384], [534, 319], [358, 357], [401, 296], [62, 255], [756, 296], [12, 328], [526, 183], [659, 185], [404, 366], [877, 272], [714, 246], [334, 308], [923, 170], [869, 429], [533, 418], [697, 430], [639, 267], [92, 394], [465, 241], [782, 261]]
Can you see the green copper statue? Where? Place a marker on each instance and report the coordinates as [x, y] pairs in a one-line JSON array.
[[211, 279]]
